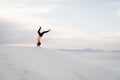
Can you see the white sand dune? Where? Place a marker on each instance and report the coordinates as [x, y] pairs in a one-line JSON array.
[[31, 63]]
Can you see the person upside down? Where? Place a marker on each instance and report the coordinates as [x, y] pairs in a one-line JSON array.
[[40, 35]]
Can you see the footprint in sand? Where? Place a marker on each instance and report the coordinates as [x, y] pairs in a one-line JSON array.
[[3, 56], [24, 79], [9, 64], [25, 73], [78, 75]]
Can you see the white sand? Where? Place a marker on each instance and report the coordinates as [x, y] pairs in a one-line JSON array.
[[31, 63]]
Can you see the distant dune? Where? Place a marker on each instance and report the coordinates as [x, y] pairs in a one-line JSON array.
[[33, 63], [90, 50]]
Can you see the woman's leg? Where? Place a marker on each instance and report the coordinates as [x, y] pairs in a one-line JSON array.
[[39, 30], [44, 32]]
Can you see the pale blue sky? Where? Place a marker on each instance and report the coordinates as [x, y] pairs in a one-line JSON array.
[[74, 23]]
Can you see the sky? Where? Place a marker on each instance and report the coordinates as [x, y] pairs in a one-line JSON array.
[[74, 24]]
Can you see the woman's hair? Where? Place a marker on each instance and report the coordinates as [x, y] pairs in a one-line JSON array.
[[38, 43]]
